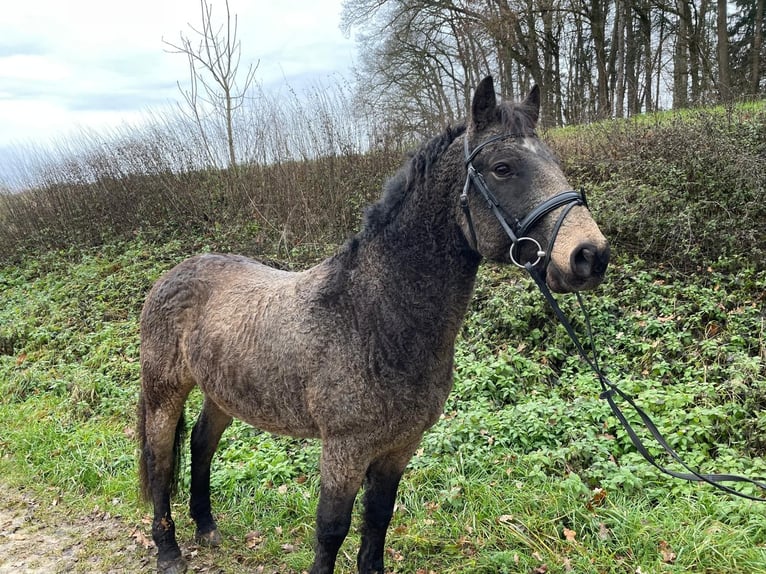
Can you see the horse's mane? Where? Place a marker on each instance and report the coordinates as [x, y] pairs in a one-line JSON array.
[[417, 168], [513, 117]]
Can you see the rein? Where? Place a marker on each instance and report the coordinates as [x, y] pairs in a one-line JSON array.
[[568, 200], [610, 389]]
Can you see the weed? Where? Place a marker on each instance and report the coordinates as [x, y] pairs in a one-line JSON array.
[[527, 468]]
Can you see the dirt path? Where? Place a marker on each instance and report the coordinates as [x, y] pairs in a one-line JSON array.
[[47, 539]]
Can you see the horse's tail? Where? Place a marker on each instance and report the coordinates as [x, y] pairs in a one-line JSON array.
[[145, 454]]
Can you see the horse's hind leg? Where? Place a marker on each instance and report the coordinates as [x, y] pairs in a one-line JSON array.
[[161, 429], [380, 489], [207, 432]]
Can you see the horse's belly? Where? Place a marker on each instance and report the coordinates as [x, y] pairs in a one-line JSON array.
[[268, 394], [279, 408]]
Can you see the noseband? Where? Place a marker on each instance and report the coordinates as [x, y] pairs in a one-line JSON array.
[[518, 230]]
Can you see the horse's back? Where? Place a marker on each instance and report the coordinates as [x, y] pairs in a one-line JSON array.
[[189, 286]]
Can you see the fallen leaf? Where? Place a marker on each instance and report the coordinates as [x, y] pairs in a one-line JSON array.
[[542, 569], [668, 556], [141, 539], [395, 555], [597, 498], [288, 548], [505, 519], [603, 532], [570, 535], [253, 539]]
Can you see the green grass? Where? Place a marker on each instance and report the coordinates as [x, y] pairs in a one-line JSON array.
[[527, 471]]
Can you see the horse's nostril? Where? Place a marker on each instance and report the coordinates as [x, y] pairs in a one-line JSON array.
[[588, 260]]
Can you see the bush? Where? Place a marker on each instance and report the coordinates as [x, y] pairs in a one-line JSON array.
[[304, 175], [686, 189]]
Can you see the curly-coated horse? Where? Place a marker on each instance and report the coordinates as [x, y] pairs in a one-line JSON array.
[[358, 350]]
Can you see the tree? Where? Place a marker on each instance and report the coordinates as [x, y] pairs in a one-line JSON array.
[[591, 58], [756, 54], [214, 59], [746, 47], [724, 71]]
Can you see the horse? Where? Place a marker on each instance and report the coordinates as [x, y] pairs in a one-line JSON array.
[[358, 350]]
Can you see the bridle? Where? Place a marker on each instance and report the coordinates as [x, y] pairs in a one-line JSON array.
[[519, 229], [518, 234]]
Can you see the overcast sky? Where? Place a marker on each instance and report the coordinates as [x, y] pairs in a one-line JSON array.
[[68, 64]]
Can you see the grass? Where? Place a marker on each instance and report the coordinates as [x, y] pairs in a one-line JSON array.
[[525, 472]]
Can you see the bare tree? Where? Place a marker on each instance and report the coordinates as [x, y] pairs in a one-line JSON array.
[[755, 61], [724, 82], [591, 58], [214, 58]]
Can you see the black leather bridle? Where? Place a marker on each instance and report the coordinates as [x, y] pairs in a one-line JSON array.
[[519, 229], [609, 390]]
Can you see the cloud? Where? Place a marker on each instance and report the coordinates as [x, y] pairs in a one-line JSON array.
[[88, 63]]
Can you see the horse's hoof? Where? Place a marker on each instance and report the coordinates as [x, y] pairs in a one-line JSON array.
[[212, 538], [176, 566]]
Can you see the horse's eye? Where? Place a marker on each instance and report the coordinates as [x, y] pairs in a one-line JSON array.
[[502, 170]]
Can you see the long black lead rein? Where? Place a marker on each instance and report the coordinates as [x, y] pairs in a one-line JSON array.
[[517, 232], [609, 390]]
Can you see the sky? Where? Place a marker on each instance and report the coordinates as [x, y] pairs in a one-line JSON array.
[[66, 65]]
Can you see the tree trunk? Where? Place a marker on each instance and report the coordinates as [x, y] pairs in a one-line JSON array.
[[646, 33], [755, 62], [724, 75], [617, 58], [631, 61], [681, 58]]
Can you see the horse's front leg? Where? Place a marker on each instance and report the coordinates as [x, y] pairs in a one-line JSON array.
[[381, 485], [340, 481]]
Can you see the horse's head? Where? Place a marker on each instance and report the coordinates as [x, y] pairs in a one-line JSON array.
[[517, 205]]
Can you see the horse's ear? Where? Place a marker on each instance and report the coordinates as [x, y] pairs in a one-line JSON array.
[[532, 104], [484, 104]]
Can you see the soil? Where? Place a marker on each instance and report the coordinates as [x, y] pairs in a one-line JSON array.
[[37, 538], [40, 535]]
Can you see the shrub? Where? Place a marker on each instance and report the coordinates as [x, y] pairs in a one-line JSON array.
[[685, 188]]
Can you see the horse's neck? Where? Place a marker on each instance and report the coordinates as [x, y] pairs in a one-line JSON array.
[[419, 267]]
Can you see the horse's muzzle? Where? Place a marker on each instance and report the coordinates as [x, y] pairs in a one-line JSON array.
[[587, 267]]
